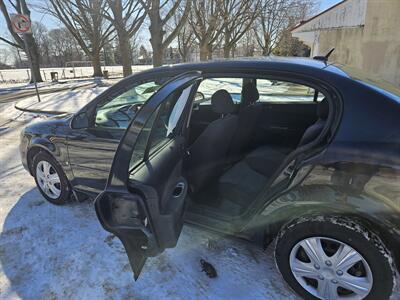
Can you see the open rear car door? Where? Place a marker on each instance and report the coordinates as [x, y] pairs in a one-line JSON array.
[[143, 203]]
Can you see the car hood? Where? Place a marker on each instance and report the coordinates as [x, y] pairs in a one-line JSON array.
[[50, 126]]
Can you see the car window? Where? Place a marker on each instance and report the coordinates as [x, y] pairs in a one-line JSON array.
[[119, 111], [283, 91], [210, 85], [159, 128]]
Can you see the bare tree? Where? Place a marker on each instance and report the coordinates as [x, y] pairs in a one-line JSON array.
[[5, 55], [63, 47], [207, 23], [27, 42], [275, 17], [159, 15], [271, 22], [186, 42], [84, 19], [127, 17], [40, 34], [248, 43], [185, 38], [238, 17]]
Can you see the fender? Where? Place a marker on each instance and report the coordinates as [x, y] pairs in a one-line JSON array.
[[44, 144], [50, 146], [367, 192]]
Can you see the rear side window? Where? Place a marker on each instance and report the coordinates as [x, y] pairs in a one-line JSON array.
[[210, 85], [284, 91]]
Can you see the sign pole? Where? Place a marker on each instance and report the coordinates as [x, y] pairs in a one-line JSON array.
[[31, 64], [21, 24]]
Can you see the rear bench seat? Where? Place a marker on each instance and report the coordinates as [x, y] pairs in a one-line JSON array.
[[241, 183]]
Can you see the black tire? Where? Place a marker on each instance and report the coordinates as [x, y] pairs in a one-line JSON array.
[[347, 231], [65, 187]]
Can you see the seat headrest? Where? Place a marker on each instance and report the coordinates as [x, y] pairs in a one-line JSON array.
[[323, 109], [222, 103], [250, 93]]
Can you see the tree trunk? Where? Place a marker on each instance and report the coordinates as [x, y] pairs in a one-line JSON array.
[[125, 51], [33, 53], [156, 38], [157, 56], [203, 51], [210, 52], [96, 63], [227, 51], [227, 47]]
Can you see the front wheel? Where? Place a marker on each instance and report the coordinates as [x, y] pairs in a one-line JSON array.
[[334, 258], [50, 179]]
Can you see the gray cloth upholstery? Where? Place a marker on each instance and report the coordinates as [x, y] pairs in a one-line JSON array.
[[222, 103], [241, 183], [266, 159], [245, 179], [315, 130], [208, 153], [248, 117]]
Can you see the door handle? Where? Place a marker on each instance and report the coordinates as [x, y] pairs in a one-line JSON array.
[[179, 190], [77, 137]]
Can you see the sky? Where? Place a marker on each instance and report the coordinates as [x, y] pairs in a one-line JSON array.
[[50, 22], [327, 3]]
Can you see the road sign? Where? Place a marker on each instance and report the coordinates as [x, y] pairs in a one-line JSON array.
[[21, 23]]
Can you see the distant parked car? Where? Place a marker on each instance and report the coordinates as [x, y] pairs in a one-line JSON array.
[[295, 150]]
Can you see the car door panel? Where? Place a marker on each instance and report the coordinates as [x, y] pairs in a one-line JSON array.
[[92, 149], [284, 123], [91, 152], [144, 206]]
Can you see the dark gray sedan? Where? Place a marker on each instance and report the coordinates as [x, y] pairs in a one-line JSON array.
[[295, 150]]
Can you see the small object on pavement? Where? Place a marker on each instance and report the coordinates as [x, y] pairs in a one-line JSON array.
[[208, 268]]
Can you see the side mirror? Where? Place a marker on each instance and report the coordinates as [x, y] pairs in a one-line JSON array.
[[80, 121]]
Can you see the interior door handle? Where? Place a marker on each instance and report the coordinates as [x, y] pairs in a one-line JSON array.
[[179, 190]]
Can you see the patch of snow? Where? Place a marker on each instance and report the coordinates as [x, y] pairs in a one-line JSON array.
[[20, 77], [62, 252]]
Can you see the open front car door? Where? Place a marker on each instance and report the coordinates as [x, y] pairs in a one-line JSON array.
[[143, 203]]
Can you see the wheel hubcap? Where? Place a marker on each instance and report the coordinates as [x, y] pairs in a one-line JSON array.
[[48, 179], [330, 269]]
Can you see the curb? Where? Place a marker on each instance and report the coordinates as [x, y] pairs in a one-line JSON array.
[[50, 112], [40, 111]]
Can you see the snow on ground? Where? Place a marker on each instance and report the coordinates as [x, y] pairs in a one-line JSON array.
[[62, 252], [66, 101], [19, 77], [46, 85]]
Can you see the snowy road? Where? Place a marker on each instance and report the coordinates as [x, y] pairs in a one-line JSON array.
[[50, 252]]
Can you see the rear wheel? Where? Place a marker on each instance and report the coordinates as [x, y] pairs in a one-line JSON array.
[[334, 258], [50, 179]]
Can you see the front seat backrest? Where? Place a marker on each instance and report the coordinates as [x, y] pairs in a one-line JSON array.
[[314, 130], [248, 117], [208, 153]]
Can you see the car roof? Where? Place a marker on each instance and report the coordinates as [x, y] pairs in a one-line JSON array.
[[294, 64]]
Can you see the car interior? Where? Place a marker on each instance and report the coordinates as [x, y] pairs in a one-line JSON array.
[[240, 132]]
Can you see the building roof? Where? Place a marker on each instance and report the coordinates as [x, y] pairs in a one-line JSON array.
[[320, 14]]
